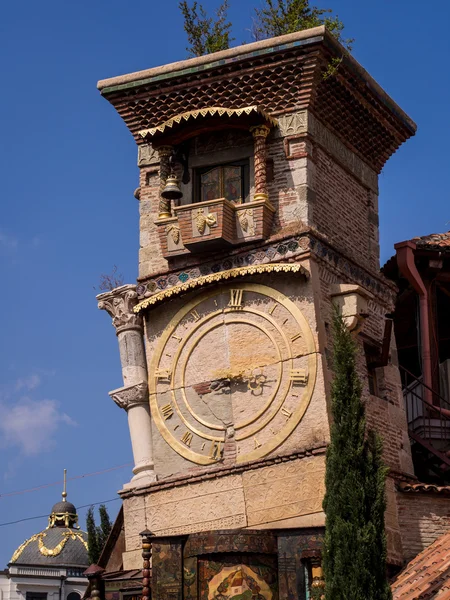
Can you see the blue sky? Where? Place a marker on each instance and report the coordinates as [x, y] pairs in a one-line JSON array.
[[67, 175]]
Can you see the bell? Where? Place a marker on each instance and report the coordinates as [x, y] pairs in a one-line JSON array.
[[171, 190]]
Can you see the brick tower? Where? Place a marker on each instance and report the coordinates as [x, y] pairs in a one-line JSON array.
[[258, 201]]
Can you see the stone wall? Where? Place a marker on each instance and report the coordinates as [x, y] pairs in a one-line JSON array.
[[281, 493], [313, 428]]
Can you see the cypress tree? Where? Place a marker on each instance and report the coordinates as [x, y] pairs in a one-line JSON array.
[[355, 542], [93, 545], [105, 526]]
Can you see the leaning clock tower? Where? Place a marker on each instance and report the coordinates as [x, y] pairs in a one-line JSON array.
[[258, 198]]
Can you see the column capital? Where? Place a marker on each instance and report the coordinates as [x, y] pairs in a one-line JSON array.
[[260, 131], [119, 304], [165, 150], [131, 395]]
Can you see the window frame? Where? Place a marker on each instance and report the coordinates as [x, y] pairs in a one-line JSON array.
[[244, 164]]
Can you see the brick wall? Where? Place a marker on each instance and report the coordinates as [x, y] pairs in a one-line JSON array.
[[423, 518], [344, 211], [385, 411], [311, 184]]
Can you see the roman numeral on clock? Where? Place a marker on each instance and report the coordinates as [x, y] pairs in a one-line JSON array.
[[195, 315], [215, 451], [299, 376], [163, 374], [235, 298], [167, 411], [187, 438], [287, 413], [296, 337]]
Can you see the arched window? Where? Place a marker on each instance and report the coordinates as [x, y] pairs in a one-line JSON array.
[[73, 596]]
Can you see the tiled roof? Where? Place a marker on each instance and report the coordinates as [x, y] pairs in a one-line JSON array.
[[434, 240], [427, 576], [423, 487]]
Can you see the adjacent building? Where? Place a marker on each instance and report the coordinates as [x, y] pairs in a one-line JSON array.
[[50, 564]]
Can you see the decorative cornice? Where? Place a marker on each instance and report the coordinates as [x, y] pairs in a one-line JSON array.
[[119, 304], [208, 112], [132, 395], [223, 470], [221, 276]]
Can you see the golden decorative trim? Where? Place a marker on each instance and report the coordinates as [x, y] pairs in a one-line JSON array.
[[22, 547], [243, 216], [39, 537], [208, 112], [174, 231], [221, 276], [260, 131], [202, 220]]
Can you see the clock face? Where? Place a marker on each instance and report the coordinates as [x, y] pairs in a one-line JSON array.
[[237, 362]]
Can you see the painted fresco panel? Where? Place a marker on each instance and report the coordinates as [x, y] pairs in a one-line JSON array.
[[238, 577]]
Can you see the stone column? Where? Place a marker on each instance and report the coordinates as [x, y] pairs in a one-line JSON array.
[[164, 153], [133, 396], [260, 132]]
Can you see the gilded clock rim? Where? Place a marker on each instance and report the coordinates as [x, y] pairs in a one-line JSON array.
[[298, 413]]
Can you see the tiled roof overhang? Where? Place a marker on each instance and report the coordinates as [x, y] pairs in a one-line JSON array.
[[280, 75], [423, 488], [434, 241], [427, 575]]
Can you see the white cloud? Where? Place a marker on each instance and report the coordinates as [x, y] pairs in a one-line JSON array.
[[29, 383], [31, 425]]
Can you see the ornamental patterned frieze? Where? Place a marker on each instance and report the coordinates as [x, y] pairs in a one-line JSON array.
[[212, 542], [285, 250], [274, 253], [354, 273], [293, 124]]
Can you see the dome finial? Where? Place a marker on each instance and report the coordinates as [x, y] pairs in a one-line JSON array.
[[64, 492], [64, 514]]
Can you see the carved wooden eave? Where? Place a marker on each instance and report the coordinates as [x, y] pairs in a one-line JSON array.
[[229, 274], [191, 123], [280, 75]]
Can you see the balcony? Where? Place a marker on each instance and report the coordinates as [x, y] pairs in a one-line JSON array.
[[214, 224]]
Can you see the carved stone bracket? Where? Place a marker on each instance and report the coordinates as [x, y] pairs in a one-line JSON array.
[[128, 396], [352, 303], [119, 304]]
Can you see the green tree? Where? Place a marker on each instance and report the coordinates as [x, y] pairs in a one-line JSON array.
[[105, 526], [206, 34], [97, 535], [355, 540], [93, 547], [278, 17]]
